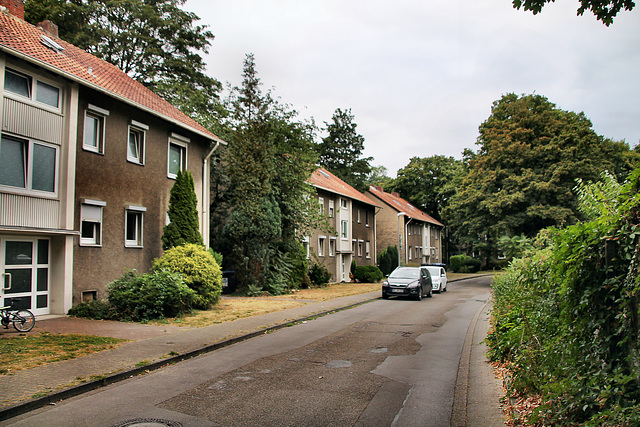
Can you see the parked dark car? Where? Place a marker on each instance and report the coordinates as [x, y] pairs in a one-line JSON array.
[[409, 282]]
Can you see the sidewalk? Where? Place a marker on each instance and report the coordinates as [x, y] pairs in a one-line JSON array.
[[156, 346]]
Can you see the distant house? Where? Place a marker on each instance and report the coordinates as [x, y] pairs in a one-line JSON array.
[[87, 160], [417, 235], [351, 231]]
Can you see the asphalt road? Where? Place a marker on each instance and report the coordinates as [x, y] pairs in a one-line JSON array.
[[388, 362]]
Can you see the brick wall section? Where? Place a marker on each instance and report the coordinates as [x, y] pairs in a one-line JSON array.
[[15, 7]]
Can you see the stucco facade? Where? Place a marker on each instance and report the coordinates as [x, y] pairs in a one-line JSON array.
[[347, 232], [417, 235], [87, 160]]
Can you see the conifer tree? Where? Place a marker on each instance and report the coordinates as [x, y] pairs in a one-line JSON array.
[[183, 214]]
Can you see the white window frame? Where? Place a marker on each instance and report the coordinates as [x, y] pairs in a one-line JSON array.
[[321, 205], [321, 245], [366, 217], [96, 206], [28, 165], [358, 215], [367, 249], [179, 142], [344, 204], [100, 115], [331, 208], [360, 242], [344, 229], [137, 212], [305, 245], [33, 81], [140, 130], [410, 253], [332, 246]]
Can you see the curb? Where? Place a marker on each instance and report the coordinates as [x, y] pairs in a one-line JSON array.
[[52, 398]]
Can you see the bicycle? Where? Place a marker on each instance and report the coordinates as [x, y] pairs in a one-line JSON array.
[[23, 320]]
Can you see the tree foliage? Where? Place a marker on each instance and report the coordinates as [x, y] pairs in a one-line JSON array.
[[604, 10], [183, 224], [566, 316], [270, 158], [522, 177], [340, 152], [154, 41], [428, 183]]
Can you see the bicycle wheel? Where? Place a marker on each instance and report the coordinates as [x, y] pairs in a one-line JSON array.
[[23, 320]]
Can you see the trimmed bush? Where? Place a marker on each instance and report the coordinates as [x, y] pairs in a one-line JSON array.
[[199, 270], [388, 260], [368, 274], [141, 297], [319, 275], [464, 264], [99, 309]]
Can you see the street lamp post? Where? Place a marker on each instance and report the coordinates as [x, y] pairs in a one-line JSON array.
[[400, 235]]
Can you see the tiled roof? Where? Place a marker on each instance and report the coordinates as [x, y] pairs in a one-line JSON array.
[[22, 39], [401, 205], [325, 180]]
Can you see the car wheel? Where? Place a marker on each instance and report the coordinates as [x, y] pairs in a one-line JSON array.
[[430, 293], [385, 295], [445, 288], [419, 297]]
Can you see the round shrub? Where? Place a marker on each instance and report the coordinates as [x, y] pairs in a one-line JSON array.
[[368, 274], [199, 270], [98, 309], [141, 297], [319, 275]]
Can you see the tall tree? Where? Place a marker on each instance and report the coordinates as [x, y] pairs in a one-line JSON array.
[[428, 183], [521, 179], [341, 151], [154, 41], [604, 10], [270, 159], [183, 224]]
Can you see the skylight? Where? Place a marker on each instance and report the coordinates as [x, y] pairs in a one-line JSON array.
[[326, 175], [51, 44]]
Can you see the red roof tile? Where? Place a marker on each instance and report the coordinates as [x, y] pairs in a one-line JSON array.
[[24, 40], [401, 205], [325, 180]]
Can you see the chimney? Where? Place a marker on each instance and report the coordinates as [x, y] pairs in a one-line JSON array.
[[394, 194], [48, 27], [14, 7]]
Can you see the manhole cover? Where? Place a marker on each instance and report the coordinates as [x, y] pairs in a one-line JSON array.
[[148, 422]]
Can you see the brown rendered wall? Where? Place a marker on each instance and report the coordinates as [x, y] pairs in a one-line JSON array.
[[386, 225], [326, 260], [112, 179], [360, 231]]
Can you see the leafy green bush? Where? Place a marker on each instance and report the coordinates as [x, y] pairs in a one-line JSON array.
[[368, 274], [142, 297], [319, 275], [565, 317], [464, 264], [98, 309], [217, 256], [199, 270], [388, 260]]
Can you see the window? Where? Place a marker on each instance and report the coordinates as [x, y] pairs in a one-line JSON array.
[[94, 127], [343, 203], [410, 252], [367, 249], [28, 165], [91, 222], [133, 226], [344, 229], [321, 205], [177, 158], [331, 209], [332, 247], [360, 248], [135, 145], [358, 214], [366, 218], [305, 245], [22, 85], [321, 243]]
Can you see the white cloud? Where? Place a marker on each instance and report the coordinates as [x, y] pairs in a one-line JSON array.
[[420, 76]]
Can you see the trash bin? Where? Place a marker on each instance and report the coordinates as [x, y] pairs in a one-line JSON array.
[[228, 282]]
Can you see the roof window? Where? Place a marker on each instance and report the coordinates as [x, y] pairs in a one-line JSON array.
[[51, 44]]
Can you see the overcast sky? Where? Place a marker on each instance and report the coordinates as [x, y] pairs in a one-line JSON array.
[[420, 76]]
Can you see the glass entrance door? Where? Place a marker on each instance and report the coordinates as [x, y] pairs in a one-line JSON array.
[[24, 264]]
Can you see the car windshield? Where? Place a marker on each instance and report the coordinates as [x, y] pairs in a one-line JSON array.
[[434, 271], [405, 273]]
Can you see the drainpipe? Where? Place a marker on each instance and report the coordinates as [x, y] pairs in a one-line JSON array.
[[206, 178], [400, 237]]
